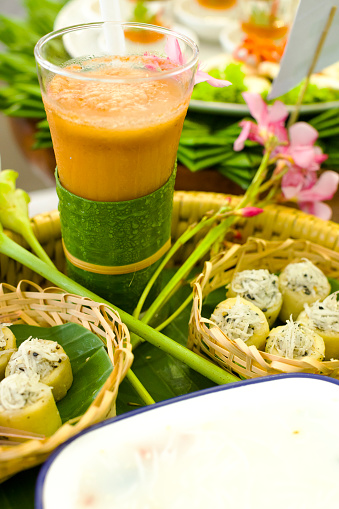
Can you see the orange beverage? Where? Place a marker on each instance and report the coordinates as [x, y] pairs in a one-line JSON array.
[[115, 141], [115, 120], [136, 35], [217, 4], [268, 19], [275, 30]]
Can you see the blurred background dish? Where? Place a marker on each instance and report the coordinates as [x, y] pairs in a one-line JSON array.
[[154, 12], [206, 21]]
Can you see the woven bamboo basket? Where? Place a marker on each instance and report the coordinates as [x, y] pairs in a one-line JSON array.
[[235, 355], [277, 222], [28, 303]]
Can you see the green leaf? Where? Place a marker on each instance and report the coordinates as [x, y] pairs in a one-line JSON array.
[[90, 363], [18, 492], [13, 203], [14, 212]]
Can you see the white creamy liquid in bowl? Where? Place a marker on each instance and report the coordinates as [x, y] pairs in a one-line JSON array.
[[267, 445]]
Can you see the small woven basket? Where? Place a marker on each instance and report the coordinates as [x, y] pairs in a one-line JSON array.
[[28, 303], [235, 355]]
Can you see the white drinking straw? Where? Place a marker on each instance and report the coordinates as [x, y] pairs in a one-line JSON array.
[[114, 35]]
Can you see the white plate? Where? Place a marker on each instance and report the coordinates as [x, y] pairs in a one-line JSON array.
[[269, 442], [239, 110]]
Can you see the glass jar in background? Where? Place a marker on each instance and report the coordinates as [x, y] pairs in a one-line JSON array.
[[217, 4], [152, 12], [269, 19]]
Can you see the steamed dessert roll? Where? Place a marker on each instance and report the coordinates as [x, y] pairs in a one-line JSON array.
[[46, 359], [240, 319], [301, 283], [323, 318], [259, 287], [295, 341], [7, 347], [27, 404]]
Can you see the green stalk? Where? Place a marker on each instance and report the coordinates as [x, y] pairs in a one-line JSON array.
[[139, 388], [201, 250], [214, 373], [185, 237], [175, 314], [33, 242]]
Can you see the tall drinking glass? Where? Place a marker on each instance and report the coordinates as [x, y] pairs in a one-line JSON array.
[[115, 108]]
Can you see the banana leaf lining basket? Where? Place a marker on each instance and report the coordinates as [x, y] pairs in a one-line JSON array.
[[28, 303], [247, 361]]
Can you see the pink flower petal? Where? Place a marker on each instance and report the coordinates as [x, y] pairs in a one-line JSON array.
[[173, 50], [303, 156], [324, 189], [281, 133], [257, 106], [290, 192], [302, 133], [292, 183], [319, 157], [319, 209], [277, 112], [214, 82], [243, 136]]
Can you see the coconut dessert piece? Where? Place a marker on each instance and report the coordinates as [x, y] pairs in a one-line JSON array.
[[323, 318], [301, 283], [48, 360], [7, 347], [295, 341], [240, 319], [259, 287], [27, 404]]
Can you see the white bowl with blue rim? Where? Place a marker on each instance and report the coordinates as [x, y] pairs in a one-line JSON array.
[[266, 443]]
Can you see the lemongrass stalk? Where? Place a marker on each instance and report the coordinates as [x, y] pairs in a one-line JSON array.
[[214, 373], [201, 250], [175, 314], [139, 388], [191, 231]]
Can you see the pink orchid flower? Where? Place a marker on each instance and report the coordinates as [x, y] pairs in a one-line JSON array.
[[270, 122], [310, 192], [173, 52], [301, 147], [295, 180]]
